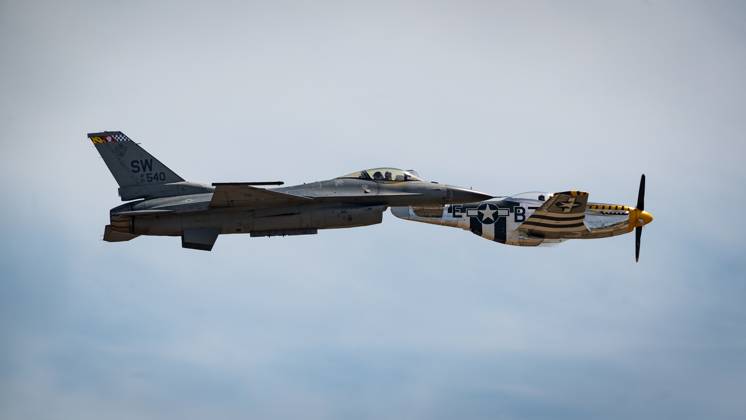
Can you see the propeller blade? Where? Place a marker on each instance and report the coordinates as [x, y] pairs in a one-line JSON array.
[[641, 194], [638, 236]]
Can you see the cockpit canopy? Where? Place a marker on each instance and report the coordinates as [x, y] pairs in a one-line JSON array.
[[533, 195], [385, 175]]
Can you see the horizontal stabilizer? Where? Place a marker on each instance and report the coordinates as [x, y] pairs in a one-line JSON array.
[[243, 195], [111, 235]]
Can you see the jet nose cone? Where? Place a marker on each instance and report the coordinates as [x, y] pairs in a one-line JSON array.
[[645, 217], [462, 195]]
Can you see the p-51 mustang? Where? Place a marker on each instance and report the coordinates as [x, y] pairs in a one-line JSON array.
[[537, 218], [168, 205]]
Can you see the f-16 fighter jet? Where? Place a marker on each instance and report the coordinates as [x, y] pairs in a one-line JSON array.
[[538, 218], [168, 205]]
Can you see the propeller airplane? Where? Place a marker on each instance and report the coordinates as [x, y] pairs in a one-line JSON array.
[[538, 218]]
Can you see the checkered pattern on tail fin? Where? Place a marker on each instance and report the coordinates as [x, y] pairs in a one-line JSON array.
[[130, 164]]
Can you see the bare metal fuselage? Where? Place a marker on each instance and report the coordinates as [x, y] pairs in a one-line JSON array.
[[598, 220]]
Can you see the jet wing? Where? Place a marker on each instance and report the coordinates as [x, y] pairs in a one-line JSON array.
[[560, 216], [245, 195]]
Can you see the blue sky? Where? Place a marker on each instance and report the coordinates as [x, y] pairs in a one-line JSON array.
[[398, 320]]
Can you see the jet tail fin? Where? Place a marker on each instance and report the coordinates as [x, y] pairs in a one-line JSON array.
[[132, 166]]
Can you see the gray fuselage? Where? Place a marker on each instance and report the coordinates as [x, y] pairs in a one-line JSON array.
[[334, 203]]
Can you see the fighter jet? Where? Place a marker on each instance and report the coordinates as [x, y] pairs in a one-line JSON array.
[[167, 205], [538, 218]]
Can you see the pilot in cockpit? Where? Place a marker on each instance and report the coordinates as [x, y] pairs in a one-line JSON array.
[[377, 176]]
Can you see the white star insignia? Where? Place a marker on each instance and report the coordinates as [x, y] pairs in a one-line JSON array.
[[488, 213]]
